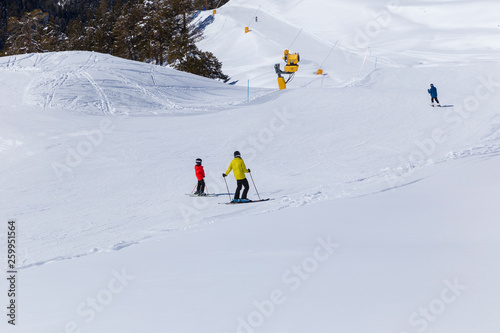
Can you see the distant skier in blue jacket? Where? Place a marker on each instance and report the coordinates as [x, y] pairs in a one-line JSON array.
[[434, 94]]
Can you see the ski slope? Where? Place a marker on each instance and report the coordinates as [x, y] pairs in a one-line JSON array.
[[383, 206]]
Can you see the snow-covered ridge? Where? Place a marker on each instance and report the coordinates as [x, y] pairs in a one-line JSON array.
[[96, 83]]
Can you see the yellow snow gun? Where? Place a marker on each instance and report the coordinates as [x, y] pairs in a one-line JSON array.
[[291, 66]]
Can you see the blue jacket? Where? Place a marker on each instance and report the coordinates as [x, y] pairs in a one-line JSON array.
[[433, 91]]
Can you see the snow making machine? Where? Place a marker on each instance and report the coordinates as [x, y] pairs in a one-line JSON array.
[[291, 60]]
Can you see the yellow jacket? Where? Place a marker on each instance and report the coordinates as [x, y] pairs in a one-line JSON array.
[[238, 167]]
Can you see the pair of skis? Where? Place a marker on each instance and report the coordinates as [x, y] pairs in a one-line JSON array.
[[244, 202], [208, 195], [212, 195]]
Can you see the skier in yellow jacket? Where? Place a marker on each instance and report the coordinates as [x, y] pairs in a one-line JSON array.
[[239, 170]]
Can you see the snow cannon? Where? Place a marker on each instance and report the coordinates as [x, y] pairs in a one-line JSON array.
[[291, 60]]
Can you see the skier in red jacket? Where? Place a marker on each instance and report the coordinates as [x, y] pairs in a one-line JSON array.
[[200, 174]]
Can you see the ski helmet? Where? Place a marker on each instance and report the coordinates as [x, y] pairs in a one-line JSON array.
[[237, 154], [198, 161]]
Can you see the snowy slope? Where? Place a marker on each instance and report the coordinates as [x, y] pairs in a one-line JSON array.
[[422, 258], [400, 33], [110, 87], [303, 145], [98, 153]]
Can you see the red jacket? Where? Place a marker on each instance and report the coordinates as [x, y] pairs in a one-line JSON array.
[[200, 173]]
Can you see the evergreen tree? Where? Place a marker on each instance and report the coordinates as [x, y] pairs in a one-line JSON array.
[[186, 57], [123, 35], [99, 32], [51, 38], [157, 31], [76, 34], [164, 26], [24, 33]]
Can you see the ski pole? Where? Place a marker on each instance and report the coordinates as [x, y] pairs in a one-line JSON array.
[[255, 186], [229, 195], [193, 189]]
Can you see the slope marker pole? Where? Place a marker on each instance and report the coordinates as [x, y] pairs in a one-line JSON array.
[[364, 60]]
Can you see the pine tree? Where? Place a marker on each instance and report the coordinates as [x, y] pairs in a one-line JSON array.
[[183, 53], [76, 34], [123, 45], [51, 38], [24, 33], [100, 30], [186, 57], [157, 31]]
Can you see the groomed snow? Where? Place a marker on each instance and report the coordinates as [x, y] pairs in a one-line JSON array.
[[385, 214]]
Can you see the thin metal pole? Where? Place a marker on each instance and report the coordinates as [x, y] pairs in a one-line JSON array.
[[228, 194], [255, 186], [295, 39], [254, 16], [328, 54]]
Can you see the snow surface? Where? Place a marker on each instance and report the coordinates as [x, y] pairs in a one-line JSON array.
[[385, 215]]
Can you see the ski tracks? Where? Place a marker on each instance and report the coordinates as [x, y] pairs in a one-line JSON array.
[[106, 107], [11, 62], [58, 83], [55, 83], [158, 90]]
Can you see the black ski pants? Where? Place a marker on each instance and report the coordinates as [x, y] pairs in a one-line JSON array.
[[241, 183], [434, 98], [201, 186]]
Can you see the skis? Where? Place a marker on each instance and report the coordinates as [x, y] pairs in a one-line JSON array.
[[238, 203], [209, 195]]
